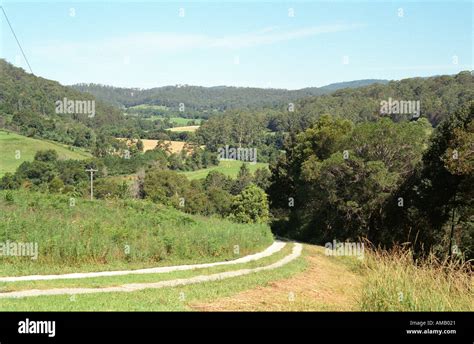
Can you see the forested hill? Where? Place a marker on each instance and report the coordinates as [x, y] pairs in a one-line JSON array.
[[28, 106], [439, 97], [218, 98]]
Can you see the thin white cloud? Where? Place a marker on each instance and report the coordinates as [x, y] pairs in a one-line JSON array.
[[156, 42], [272, 35]]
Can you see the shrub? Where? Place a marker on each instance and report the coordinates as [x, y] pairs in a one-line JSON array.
[[9, 197], [250, 206]]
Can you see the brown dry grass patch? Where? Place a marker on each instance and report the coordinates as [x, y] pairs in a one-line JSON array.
[[190, 128], [170, 146]]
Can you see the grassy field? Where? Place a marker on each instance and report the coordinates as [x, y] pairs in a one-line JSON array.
[[148, 107], [184, 121], [11, 144], [180, 121], [110, 235], [227, 167]]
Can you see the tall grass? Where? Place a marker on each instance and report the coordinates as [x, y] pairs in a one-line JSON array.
[[108, 234], [397, 282]]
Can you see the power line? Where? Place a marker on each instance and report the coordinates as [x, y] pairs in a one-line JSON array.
[[18, 42]]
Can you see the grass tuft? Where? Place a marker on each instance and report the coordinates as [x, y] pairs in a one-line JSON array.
[[395, 281]]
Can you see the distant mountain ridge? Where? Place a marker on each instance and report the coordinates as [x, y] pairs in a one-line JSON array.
[[439, 97], [214, 98]]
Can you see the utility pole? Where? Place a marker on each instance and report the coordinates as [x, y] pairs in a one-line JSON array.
[[92, 178]]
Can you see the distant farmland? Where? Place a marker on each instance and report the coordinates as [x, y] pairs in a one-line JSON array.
[[173, 146], [228, 167], [14, 145], [190, 128]]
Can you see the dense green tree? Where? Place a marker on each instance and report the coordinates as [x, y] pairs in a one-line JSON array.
[[398, 145], [217, 180], [220, 200], [262, 178], [244, 178], [438, 209], [140, 145], [9, 182], [326, 137], [37, 172], [48, 155], [56, 185], [166, 187], [336, 178], [342, 197], [106, 188], [250, 206]]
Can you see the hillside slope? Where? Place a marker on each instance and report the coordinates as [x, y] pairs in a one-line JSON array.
[[15, 149], [112, 235], [439, 97], [28, 106]]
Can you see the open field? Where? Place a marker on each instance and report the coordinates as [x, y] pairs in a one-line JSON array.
[[11, 144], [184, 121], [228, 167], [181, 121], [148, 107], [189, 128], [172, 146], [108, 235]]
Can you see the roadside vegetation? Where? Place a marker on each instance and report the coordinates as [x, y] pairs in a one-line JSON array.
[[80, 235], [396, 281]]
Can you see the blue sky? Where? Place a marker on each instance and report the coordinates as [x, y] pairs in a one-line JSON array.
[[247, 43]]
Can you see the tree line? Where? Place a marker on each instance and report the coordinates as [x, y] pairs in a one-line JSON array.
[[381, 180]]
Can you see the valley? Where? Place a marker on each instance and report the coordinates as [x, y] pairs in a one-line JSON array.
[[173, 221]]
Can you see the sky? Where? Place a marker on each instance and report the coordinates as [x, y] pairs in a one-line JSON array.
[[272, 44]]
